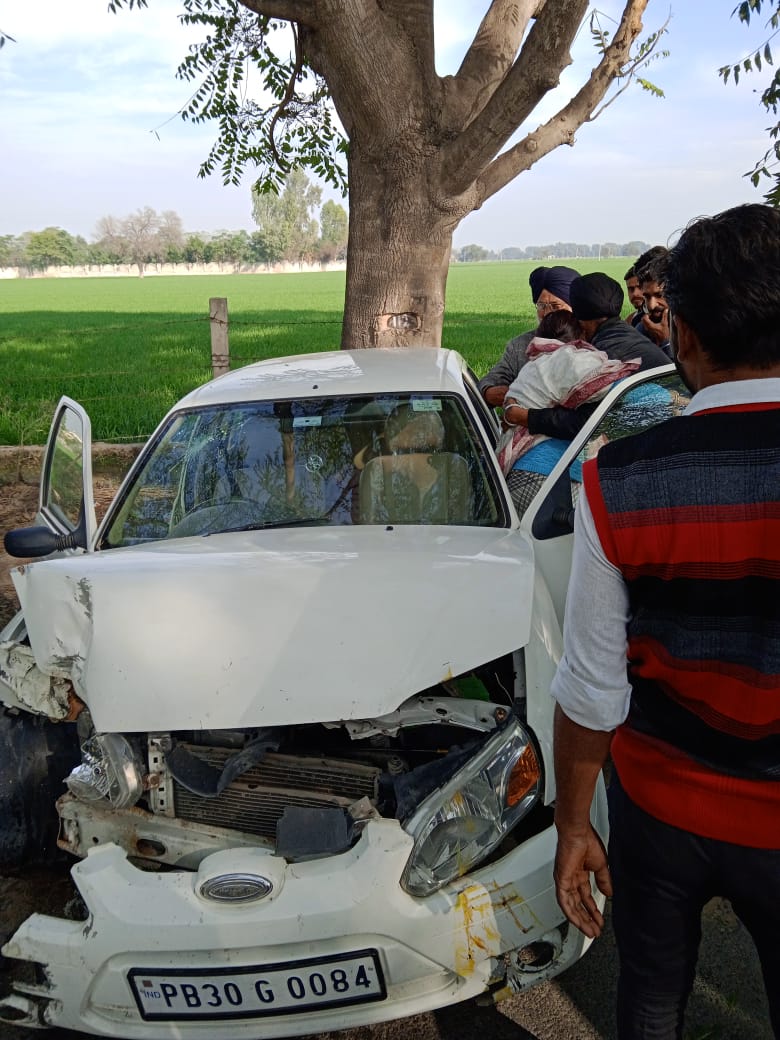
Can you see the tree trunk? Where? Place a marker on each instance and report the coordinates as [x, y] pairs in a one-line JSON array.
[[426, 150], [397, 258]]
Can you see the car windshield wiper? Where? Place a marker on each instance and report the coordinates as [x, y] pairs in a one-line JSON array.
[[306, 521]]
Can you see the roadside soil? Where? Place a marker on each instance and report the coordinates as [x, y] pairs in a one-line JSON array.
[[18, 503]]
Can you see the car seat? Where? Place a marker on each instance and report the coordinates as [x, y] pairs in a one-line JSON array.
[[416, 488]]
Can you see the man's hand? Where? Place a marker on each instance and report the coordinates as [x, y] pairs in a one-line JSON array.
[[658, 331], [494, 395], [580, 754], [578, 854], [515, 414]]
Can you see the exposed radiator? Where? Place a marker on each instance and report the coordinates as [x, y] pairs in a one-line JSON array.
[[255, 800]]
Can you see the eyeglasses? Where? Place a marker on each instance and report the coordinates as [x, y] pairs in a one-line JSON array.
[[544, 308]]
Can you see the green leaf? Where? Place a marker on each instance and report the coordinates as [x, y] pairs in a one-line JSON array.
[[651, 88]]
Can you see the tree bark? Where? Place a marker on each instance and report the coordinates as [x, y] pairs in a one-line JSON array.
[[398, 257]]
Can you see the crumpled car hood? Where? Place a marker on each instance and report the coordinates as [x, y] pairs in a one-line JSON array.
[[275, 627]]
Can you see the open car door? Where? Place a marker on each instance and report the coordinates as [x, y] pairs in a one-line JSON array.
[[633, 404], [66, 506]]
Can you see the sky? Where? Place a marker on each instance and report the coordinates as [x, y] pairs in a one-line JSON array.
[[89, 128]]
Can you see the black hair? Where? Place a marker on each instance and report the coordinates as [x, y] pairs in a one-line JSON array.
[[560, 325], [723, 279], [649, 267], [630, 273]]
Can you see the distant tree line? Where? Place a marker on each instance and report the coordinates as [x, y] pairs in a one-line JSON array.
[[287, 231], [558, 251]]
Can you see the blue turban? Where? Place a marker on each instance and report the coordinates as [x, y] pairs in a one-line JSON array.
[[555, 280], [536, 281]]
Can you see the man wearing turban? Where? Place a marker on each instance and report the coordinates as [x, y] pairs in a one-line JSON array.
[[550, 292]]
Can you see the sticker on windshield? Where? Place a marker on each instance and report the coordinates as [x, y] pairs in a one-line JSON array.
[[306, 420], [426, 404]]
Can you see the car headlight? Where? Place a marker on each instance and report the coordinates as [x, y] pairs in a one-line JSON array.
[[464, 820], [109, 770]]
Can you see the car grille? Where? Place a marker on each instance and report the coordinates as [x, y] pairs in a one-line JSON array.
[[256, 800]]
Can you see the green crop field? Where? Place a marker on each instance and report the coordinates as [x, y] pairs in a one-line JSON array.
[[129, 348]]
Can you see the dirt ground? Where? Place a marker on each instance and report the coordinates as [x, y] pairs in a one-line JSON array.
[[18, 503]]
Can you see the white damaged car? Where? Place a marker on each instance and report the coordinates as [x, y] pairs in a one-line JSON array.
[[288, 707]]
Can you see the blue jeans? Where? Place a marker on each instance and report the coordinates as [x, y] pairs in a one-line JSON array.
[[662, 877]]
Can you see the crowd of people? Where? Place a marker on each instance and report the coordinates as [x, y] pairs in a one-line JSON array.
[[579, 349], [671, 648]]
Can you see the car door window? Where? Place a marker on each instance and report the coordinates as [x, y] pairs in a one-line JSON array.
[[65, 475], [637, 409], [641, 405], [66, 500]]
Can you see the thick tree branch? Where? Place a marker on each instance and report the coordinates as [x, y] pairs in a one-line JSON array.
[[487, 60], [304, 12], [377, 85], [562, 127], [416, 17], [537, 70]]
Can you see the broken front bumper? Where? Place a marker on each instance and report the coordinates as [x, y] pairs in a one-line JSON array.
[[429, 952]]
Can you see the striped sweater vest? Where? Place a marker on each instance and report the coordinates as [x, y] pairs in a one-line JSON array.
[[689, 512]]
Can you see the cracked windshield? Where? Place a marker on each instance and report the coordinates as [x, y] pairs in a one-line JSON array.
[[390, 459]]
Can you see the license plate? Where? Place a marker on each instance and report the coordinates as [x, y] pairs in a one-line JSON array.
[[273, 989]]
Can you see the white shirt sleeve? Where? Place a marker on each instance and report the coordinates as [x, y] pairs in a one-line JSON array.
[[591, 684]]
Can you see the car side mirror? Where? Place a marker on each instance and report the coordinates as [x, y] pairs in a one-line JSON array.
[[40, 541]]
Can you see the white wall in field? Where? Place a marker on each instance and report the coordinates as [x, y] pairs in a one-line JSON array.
[[155, 270]]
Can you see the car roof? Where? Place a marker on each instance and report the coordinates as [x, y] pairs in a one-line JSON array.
[[350, 372]]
